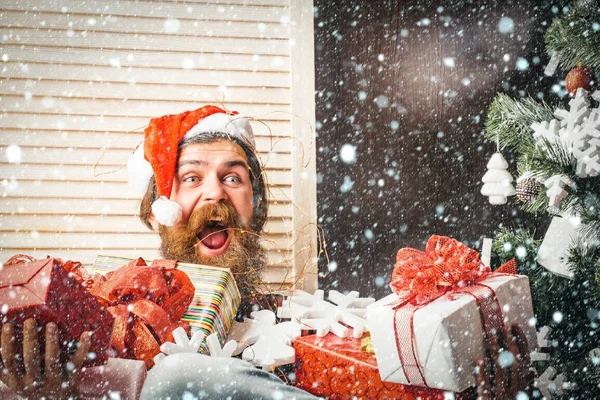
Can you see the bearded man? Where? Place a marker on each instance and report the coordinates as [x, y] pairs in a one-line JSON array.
[[207, 199]]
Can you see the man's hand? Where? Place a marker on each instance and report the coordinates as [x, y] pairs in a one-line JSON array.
[[23, 374], [505, 372]]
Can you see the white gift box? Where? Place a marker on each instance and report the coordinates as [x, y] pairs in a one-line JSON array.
[[448, 333]]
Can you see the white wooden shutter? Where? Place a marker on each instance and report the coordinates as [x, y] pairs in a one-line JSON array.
[[81, 80]]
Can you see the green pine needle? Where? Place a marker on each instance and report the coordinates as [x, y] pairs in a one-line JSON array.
[[575, 37], [510, 121]]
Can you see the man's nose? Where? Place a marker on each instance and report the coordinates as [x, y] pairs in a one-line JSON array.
[[213, 191]]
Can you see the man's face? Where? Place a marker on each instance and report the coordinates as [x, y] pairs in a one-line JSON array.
[[212, 185], [213, 173]]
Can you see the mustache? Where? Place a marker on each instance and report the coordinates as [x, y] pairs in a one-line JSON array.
[[212, 215]]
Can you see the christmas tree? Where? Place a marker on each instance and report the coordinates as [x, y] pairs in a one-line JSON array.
[[557, 149]]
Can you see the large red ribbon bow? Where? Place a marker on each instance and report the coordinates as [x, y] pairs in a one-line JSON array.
[[146, 301], [420, 277]]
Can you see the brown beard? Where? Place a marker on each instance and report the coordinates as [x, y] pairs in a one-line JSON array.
[[244, 256]]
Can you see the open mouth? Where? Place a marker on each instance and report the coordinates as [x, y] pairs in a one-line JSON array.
[[214, 238]]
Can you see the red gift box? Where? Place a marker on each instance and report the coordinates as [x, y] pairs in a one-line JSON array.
[[44, 290], [337, 368]]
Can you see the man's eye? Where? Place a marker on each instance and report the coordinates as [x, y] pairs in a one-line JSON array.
[[232, 179], [191, 179]]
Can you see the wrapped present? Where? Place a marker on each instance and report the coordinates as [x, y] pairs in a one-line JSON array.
[[120, 378], [147, 302], [337, 368], [215, 302], [431, 331], [44, 290]]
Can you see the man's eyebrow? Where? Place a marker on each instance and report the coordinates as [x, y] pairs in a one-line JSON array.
[[229, 164], [191, 162], [236, 163]]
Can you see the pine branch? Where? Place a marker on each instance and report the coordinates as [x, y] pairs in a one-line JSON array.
[[573, 38], [510, 121]]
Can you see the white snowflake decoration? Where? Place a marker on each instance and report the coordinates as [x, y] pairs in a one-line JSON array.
[[556, 191], [578, 129], [246, 333], [183, 344], [215, 349], [314, 312], [548, 383], [268, 345]]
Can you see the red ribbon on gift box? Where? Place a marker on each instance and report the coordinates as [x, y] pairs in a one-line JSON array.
[[146, 301], [446, 267]]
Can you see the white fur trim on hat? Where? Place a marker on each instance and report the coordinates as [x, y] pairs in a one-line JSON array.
[[166, 212], [234, 125], [139, 171]]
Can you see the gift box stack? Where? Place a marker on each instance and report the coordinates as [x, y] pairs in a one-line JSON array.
[[215, 301], [428, 334]]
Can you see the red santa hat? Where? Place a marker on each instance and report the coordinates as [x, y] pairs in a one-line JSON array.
[[157, 155]]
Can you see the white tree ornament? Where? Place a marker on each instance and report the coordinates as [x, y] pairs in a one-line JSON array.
[[578, 130], [314, 312], [497, 180], [556, 191], [267, 344]]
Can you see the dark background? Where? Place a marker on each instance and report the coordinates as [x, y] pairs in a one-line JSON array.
[[383, 61]]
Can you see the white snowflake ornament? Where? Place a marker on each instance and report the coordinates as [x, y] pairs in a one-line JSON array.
[[497, 180], [314, 313], [578, 130], [246, 333], [265, 343], [556, 191], [215, 349], [183, 344], [548, 383]]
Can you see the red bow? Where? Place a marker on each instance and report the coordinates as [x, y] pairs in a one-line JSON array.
[[146, 302], [446, 264]]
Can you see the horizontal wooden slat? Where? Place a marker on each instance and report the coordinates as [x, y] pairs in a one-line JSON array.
[[203, 11], [109, 140], [101, 224], [95, 76], [96, 190], [115, 58], [75, 173], [123, 207], [96, 123], [155, 42], [135, 241], [133, 108], [108, 23], [111, 157]]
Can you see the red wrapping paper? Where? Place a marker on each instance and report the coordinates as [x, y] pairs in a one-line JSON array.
[[146, 301], [337, 368], [44, 290]]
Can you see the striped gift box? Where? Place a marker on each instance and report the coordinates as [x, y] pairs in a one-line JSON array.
[[216, 300]]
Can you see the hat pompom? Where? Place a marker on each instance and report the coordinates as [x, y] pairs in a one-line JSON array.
[[139, 171], [166, 212]]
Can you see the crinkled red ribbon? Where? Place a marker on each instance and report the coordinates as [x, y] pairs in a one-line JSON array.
[[147, 303], [446, 266]]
